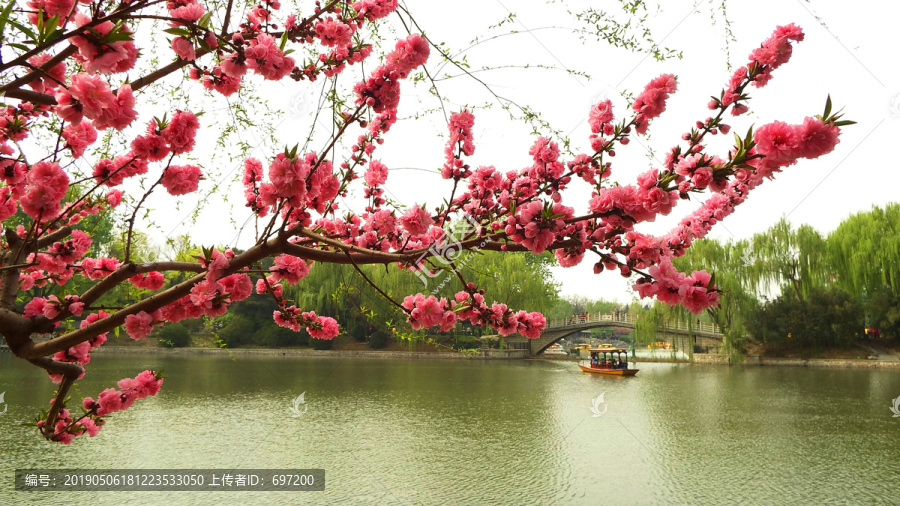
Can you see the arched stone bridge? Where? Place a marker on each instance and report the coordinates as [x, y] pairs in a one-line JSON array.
[[564, 327]]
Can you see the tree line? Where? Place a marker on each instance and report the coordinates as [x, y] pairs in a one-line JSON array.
[[794, 287]]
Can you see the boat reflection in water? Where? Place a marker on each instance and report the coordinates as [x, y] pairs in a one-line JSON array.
[[555, 349]]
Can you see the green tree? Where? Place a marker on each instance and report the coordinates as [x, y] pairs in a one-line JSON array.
[[825, 318]]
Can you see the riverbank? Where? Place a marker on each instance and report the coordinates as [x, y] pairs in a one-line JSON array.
[[699, 358], [702, 358]]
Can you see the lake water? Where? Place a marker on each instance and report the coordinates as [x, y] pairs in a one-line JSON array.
[[478, 432]]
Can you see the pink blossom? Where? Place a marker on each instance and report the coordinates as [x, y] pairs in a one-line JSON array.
[[328, 328], [104, 57], [209, 296], [383, 221], [460, 138], [568, 258], [46, 187], [91, 92], [222, 83], [535, 228], [382, 90], [57, 74], [424, 312], [543, 151], [532, 325], [138, 325], [110, 401], [217, 266], [186, 11], [265, 57], [289, 178], [120, 113], [184, 48], [816, 138], [151, 146], [150, 281], [50, 8], [78, 137], [334, 33], [8, 205], [180, 132], [416, 221], [146, 384], [92, 428], [238, 286], [702, 177], [778, 142], [375, 9], [376, 173], [35, 307], [601, 113], [231, 68], [408, 54], [652, 101], [290, 268], [181, 179]]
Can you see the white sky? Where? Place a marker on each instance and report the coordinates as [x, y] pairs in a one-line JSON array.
[[849, 52]]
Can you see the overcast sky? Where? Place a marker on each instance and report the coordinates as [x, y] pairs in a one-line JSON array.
[[849, 52]]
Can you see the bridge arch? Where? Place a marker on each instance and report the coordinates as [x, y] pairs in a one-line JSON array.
[[560, 328]]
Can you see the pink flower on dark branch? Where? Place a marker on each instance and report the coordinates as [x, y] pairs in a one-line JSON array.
[[180, 132], [416, 221], [181, 179]]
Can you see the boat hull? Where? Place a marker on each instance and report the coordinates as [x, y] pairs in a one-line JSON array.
[[613, 372]]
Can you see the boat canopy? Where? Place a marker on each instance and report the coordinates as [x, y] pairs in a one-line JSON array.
[[608, 350]]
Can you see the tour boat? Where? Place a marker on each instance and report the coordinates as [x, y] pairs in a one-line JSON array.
[[608, 361], [555, 349]]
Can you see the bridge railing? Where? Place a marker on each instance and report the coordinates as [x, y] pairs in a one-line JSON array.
[[630, 319]]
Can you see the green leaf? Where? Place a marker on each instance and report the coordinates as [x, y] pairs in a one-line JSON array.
[[844, 123], [118, 37], [827, 106], [55, 35], [23, 29], [52, 23], [4, 16], [204, 21], [178, 31]]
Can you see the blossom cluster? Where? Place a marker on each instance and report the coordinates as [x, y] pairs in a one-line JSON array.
[[427, 312], [460, 143], [111, 400], [381, 91]]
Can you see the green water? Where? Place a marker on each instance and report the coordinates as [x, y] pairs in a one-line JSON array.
[[473, 432]]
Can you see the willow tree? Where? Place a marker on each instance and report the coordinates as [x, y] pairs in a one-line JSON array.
[[783, 258], [738, 279], [864, 252], [519, 280]]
